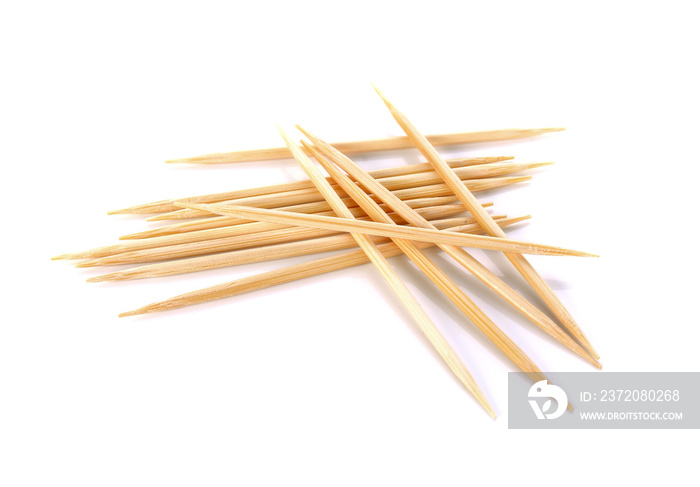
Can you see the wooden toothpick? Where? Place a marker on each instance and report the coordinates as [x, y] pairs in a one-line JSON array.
[[282, 234], [246, 229], [273, 252], [460, 255], [167, 205], [310, 195], [470, 202], [397, 285], [284, 275], [381, 229], [436, 275], [391, 143], [226, 221]]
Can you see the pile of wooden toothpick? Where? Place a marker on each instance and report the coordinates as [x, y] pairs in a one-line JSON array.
[[387, 212]]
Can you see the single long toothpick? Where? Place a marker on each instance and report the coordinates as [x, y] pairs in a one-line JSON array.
[[368, 145], [272, 252], [459, 254], [397, 285], [519, 262], [384, 230], [167, 205]]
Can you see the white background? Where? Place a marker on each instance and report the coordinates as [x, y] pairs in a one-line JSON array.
[[326, 381]]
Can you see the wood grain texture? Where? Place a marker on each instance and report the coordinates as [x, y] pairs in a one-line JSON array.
[[390, 143], [384, 230], [167, 205], [394, 183], [274, 252], [421, 318], [518, 261], [460, 255]]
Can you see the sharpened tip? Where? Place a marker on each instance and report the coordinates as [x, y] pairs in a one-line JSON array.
[[192, 206], [132, 313], [519, 179], [63, 257], [308, 134], [150, 308], [382, 96], [102, 278], [578, 253], [379, 92], [161, 217], [587, 345]]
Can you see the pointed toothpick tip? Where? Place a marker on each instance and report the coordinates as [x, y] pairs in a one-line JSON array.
[[192, 206], [158, 218], [309, 135], [587, 345], [382, 96], [134, 312], [518, 219], [63, 257], [280, 129], [104, 277]]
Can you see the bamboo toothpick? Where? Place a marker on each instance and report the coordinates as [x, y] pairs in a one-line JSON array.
[[375, 256], [273, 252], [391, 143], [226, 221], [434, 273], [404, 182], [281, 276], [229, 232], [282, 234], [168, 205], [459, 254], [381, 229], [470, 202]]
